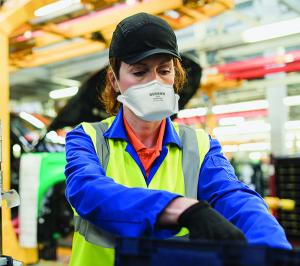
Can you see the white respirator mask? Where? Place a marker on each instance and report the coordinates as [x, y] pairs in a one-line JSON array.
[[152, 101]]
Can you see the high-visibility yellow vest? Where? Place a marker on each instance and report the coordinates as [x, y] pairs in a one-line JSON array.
[[178, 173]]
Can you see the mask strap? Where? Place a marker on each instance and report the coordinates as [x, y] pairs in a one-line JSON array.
[[116, 79]]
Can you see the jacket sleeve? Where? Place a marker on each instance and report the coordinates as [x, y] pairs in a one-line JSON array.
[[97, 198], [238, 203]]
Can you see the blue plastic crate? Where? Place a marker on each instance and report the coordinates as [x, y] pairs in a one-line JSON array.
[[153, 252]]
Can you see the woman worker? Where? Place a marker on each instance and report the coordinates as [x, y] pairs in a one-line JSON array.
[[139, 174]]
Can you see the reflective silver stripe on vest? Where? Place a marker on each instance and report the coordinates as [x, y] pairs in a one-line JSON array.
[[190, 160], [102, 143], [190, 153], [93, 234]]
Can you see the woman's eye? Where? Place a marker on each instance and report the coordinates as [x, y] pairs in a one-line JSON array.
[[165, 71], [139, 73]]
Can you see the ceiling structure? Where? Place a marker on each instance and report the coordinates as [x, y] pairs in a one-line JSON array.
[[212, 41], [212, 37], [48, 51]]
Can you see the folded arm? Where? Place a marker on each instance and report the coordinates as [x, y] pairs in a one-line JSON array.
[[100, 200]]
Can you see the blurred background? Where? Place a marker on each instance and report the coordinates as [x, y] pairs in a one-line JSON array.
[[243, 65]]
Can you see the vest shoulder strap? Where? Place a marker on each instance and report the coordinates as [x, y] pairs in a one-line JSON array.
[[96, 131], [102, 143], [194, 148]]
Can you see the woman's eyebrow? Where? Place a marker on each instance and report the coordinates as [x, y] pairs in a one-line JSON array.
[[165, 64], [165, 61], [141, 64], [137, 65]]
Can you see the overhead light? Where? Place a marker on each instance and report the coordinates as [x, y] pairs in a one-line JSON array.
[[254, 156], [292, 124], [32, 120], [251, 147], [290, 136], [244, 128], [130, 2], [292, 100], [230, 148], [63, 93], [52, 136], [65, 82], [253, 127], [271, 31], [17, 150], [243, 138], [54, 7], [28, 34], [289, 144], [185, 113], [228, 121], [172, 14], [289, 58], [256, 146], [239, 107], [236, 107]]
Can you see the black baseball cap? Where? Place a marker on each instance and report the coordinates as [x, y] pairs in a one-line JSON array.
[[142, 35]]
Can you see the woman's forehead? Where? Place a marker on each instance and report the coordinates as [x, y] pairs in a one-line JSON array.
[[154, 59]]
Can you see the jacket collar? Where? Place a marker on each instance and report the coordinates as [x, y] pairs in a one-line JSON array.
[[117, 131]]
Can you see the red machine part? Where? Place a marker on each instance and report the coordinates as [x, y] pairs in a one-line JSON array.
[[260, 66]]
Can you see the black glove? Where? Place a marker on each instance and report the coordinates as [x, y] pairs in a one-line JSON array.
[[204, 222]]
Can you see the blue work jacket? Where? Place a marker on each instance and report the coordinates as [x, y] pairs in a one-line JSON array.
[[132, 212]]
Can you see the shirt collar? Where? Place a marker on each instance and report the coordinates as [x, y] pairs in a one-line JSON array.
[[117, 131], [171, 135]]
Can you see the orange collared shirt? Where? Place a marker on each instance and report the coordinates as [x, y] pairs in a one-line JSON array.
[[146, 155]]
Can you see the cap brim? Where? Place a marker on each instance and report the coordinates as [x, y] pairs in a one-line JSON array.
[[136, 58]]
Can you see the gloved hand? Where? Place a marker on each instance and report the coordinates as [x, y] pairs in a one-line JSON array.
[[204, 222]]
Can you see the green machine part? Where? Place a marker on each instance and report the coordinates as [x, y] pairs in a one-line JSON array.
[[51, 172]]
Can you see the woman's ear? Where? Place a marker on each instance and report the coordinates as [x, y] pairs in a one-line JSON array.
[[113, 81]]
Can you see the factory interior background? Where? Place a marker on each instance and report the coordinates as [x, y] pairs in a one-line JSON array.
[[242, 60]]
